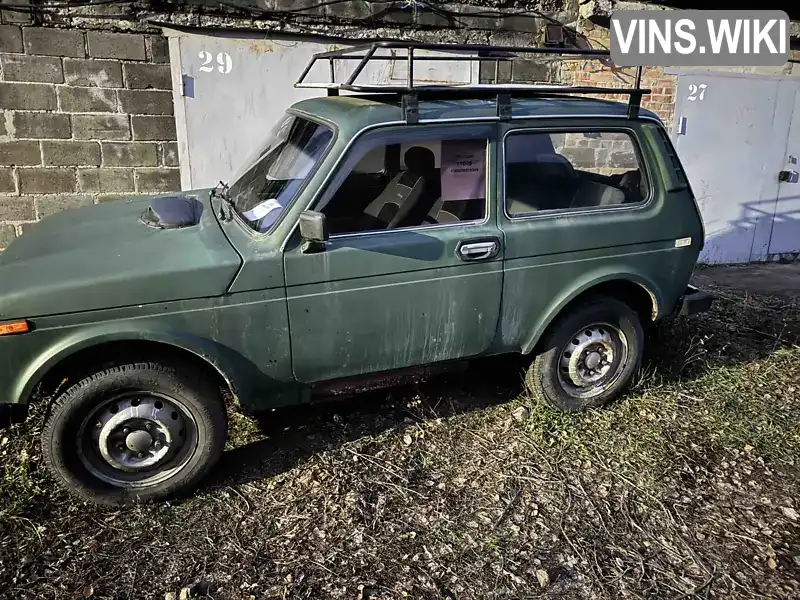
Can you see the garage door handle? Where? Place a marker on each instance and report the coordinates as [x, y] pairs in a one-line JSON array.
[[478, 250]]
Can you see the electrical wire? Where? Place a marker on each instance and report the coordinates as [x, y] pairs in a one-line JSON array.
[[300, 12], [391, 6], [250, 8], [37, 7], [434, 7]]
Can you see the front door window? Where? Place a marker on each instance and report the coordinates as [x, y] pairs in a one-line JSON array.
[[411, 184]]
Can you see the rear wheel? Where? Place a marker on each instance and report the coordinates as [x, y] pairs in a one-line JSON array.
[[135, 432], [589, 357]]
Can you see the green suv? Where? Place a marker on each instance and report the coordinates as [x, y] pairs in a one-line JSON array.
[[375, 232]]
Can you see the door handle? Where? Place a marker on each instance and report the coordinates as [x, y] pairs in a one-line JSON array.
[[790, 176], [478, 250]]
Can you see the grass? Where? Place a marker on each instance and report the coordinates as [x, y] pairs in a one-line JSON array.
[[463, 487]]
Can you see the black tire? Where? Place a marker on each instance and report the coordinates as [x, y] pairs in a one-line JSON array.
[[553, 374], [78, 465]]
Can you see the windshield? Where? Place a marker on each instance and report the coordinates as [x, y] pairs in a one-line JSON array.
[[270, 182]]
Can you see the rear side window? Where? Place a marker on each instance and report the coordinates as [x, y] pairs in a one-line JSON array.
[[572, 171]]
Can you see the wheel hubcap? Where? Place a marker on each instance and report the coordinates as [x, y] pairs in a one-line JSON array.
[[136, 439], [592, 359], [139, 441]]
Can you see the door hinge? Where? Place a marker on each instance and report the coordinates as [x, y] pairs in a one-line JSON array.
[[187, 85]]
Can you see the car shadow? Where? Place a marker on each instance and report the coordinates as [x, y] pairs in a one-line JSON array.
[[735, 331], [291, 434], [740, 328]]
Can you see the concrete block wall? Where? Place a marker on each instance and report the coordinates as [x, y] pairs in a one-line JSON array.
[[611, 153], [86, 117]]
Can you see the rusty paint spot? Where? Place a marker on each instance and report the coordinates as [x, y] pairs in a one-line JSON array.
[[261, 47], [355, 102]]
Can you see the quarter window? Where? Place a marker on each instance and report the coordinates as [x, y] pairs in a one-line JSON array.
[[571, 170], [411, 184]]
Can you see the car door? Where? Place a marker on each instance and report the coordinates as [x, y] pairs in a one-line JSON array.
[[378, 299], [585, 201]]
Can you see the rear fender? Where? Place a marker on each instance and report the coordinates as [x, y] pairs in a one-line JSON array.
[[592, 279]]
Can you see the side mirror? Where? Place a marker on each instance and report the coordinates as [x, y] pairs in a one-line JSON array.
[[313, 230]]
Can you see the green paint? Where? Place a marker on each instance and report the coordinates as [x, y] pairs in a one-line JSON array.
[[274, 320]]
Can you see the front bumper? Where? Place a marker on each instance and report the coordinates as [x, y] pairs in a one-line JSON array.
[[693, 301]]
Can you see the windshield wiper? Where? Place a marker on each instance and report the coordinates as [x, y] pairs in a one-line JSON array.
[[221, 191]]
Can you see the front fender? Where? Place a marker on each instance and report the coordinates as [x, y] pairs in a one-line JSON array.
[[582, 284], [236, 370]]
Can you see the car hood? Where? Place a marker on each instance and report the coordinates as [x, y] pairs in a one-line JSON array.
[[108, 256]]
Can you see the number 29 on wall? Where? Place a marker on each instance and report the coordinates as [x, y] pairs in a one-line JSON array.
[[224, 62]]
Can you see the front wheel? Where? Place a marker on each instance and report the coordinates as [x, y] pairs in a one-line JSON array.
[[135, 432], [589, 357]]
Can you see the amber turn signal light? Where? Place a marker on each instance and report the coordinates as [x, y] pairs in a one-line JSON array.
[[14, 327]]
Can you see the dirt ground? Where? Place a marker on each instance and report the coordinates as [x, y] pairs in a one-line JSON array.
[[464, 487], [770, 278]]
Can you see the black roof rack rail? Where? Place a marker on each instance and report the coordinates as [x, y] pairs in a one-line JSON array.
[[412, 91]]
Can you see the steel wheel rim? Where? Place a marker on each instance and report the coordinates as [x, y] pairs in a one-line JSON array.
[[592, 360], [137, 439]]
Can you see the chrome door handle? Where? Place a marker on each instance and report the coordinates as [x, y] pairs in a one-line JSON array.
[[478, 250]]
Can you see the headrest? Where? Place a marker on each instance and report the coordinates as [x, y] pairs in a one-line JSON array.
[[420, 159], [631, 178], [521, 146], [633, 183]]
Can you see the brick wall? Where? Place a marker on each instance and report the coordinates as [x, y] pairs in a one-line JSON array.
[[591, 72], [86, 117], [661, 99]]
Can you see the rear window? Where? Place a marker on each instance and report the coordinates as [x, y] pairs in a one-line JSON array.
[[572, 170]]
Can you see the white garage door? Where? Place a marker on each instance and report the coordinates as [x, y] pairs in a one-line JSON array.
[[230, 90], [735, 134]]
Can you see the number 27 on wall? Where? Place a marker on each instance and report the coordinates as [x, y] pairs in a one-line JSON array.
[[693, 89], [224, 62]]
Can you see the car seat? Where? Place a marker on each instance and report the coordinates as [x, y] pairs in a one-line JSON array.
[[634, 186], [546, 182], [591, 193], [394, 205]]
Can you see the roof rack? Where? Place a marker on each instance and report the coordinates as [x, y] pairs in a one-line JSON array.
[[412, 91]]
